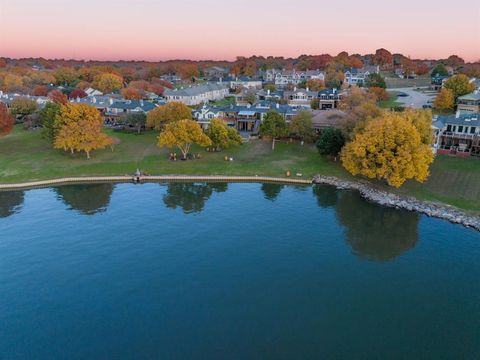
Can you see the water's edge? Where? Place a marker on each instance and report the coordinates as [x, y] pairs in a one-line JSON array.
[[383, 198]]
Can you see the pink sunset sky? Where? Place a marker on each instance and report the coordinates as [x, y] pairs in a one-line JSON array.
[[223, 29]]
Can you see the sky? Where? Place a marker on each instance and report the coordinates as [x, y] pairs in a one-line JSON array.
[[223, 29]]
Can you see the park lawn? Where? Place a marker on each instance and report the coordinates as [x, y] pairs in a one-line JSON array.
[[393, 81], [25, 156]]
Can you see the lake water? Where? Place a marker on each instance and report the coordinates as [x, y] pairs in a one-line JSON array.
[[231, 271]]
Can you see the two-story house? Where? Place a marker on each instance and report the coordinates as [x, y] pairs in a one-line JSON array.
[[457, 134], [300, 97], [469, 102]]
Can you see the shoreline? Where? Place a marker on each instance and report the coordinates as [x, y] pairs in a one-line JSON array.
[[437, 210]]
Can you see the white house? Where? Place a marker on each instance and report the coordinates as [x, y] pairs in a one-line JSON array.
[[195, 95], [292, 77]]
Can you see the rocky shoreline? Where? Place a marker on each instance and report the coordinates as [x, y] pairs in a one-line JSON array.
[[384, 198]]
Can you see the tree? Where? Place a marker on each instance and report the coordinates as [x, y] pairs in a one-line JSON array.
[[139, 84], [315, 84], [380, 93], [58, 97], [250, 97], [273, 126], [6, 120], [41, 90], [88, 199], [445, 100], [137, 120], [315, 104], [455, 61], [375, 80], [173, 111], [13, 83], [333, 77], [23, 106], [108, 83], [79, 128], [331, 142], [221, 135], [182, 134], [65, 76], [301, 125], [47, 117], [439, 70], [270, 87], [272, 190], [460, 85], [131, 93], [383, 57], [389, 148], [77, 93]]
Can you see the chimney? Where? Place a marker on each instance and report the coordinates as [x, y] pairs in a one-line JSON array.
[[457, 114], [141, 102], [268, 92], [110, 100], [308, 89], [294, 88], [277, 105]]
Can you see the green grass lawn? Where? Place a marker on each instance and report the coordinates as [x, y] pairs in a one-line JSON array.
[[391, 102], [395, 82], [25, 156], [228, 100]]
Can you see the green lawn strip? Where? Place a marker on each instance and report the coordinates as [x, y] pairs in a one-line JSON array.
[[26, 156], [391, 102]]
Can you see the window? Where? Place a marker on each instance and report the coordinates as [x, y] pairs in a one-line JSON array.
[[449, 128], [472, 129], [460, 128], [466, 130]]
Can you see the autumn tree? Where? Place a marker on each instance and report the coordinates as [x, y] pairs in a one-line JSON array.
[[445, 100], [183, 134], [330, 142], [460, 85], [250, 97], [41, 90], [380, 93], [6, 120], [139, 84], [23, 106], [13, 83], [455, 61], [301, 125], [273, 126], [65, 76], [170, 112], [77, 93], [315, 84], [389, 148], [108, 83], [333, 77], [383, 58], [58, 97], [221, 135], [79, 128], [131, 93], [47, 116]]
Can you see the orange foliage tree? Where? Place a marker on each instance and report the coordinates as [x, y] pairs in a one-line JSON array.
[[6, 120]]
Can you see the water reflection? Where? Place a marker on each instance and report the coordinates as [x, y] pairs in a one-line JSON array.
[[10, 202], [88, 199], [327, 196], [191, 197], [272, 190], [375, 232]]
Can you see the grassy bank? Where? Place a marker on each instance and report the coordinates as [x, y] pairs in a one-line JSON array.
[[391, 102], [25, 156]]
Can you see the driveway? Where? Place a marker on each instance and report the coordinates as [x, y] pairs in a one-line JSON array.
[[414, 99]]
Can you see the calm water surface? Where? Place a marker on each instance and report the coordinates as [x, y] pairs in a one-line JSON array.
[[231, 271]]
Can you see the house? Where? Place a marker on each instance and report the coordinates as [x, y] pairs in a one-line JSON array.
[[457, 135], [245, 82], [475, 82], [300, 97], [93, 92], [469, 102], [246, 96], [7, 98], [437, 81], [171, 78], [195, 95], [354, 76], [292, 77], [245, 118], [327, 119], [267, 95], [328, 99], [216, 72]]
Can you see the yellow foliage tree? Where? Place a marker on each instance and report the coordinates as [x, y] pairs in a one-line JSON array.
[[183, 134], [79, 128], [422, 120], [389, 148], [108, 83], [445, 100], [173, 111]]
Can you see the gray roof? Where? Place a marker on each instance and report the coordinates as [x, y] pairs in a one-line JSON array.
[[466, 119], [475, 96], [195, 90]]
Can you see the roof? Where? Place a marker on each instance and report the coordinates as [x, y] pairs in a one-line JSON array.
[[327, 118], [474, 96], [195, 90], [132, 104], [466, 119]]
